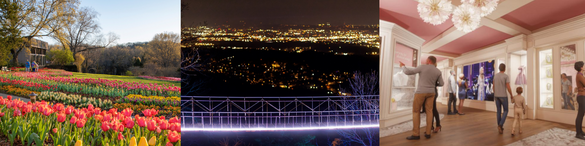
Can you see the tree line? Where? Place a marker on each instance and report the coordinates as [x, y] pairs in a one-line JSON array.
[[80, 40]]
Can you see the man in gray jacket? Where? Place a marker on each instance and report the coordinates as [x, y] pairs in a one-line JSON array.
[[429, 76]]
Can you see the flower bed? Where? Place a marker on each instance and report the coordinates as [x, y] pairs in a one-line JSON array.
[[15, 91], [167, 111], [96, 87], [161, 78], [43, 124], [151, 100], [74, 100]]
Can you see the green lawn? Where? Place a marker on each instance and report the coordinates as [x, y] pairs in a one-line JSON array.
[[123, 78]]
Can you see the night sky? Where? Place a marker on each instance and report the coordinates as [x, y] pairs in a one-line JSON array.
[[303, 12]]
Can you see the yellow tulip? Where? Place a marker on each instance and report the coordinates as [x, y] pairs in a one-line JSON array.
[[79, 143], [142, 142], [133, 141], [152, 141]]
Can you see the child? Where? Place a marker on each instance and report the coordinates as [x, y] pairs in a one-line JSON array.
[[519, 110]]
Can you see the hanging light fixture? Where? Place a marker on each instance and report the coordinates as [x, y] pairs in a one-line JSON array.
[[466, 18], [485, 7], [434, 12]]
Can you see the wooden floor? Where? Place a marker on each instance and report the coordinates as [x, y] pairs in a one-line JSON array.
[[475, 128]]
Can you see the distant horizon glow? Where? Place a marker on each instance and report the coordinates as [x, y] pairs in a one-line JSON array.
[[133, 20], [282, 129]]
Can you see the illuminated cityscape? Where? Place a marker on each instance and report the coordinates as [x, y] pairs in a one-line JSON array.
[[242, 53]]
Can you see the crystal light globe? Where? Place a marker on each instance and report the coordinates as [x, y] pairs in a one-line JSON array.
[[485, 7], [466, 18], [434, 12]]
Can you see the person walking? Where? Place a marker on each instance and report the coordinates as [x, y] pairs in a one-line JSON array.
[[501, 83], [566, 87], [27, 65], [429, 77], [452, 90], [462, 93], [519, 110], [580, 99], [34, 65]]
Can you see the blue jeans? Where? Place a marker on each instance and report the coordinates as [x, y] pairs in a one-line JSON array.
[[567, 101], [502, 101]]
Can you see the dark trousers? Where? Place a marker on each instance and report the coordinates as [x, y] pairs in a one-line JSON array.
[[435, 112], [452, 100], [580, 113]]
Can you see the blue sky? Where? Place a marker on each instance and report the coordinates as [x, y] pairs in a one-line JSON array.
[[135, 20]]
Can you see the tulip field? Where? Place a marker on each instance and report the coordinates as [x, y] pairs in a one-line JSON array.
[[74, 110]]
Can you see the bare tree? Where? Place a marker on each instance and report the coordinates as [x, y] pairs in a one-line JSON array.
[[38, 18], [83, 32], [363, 86]]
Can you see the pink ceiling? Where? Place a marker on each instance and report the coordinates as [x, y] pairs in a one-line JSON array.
[[481, 37], [404, 13], [423, 59], [541, 13], [532, 16]]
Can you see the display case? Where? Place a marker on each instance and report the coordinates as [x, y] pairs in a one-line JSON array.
[[546, 92], [397, 89], [403, 86]]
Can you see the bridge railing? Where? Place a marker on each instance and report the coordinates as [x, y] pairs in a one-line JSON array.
[[213, 112]]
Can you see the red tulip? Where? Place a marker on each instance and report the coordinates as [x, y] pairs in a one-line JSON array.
[[173, 136], [16, 113], [129, 122], [169, 144], [105, 126], [141, 121], [59, 107], [151, 125], [80, 123], [54, 130], [120, 136], [9, 97], [158, 130], [1, 114], [175, 127], [61, 117], [112, 110], [69, 110], [90, 107], [127, 112], [99, 118], [79, 114], [164, 125], [120, 127], [174, 120], [73, 120], [107, 117], [47, 111]]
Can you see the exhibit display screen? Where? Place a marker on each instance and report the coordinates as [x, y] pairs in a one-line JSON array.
[[478, 78]]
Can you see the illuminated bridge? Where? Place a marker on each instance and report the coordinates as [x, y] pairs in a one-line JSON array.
[[214, 113]]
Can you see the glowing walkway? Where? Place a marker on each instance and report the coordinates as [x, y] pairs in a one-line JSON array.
[[215, 113]]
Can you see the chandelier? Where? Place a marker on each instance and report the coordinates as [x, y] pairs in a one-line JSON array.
[[466, 18], [485, 7], [434, 12]]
